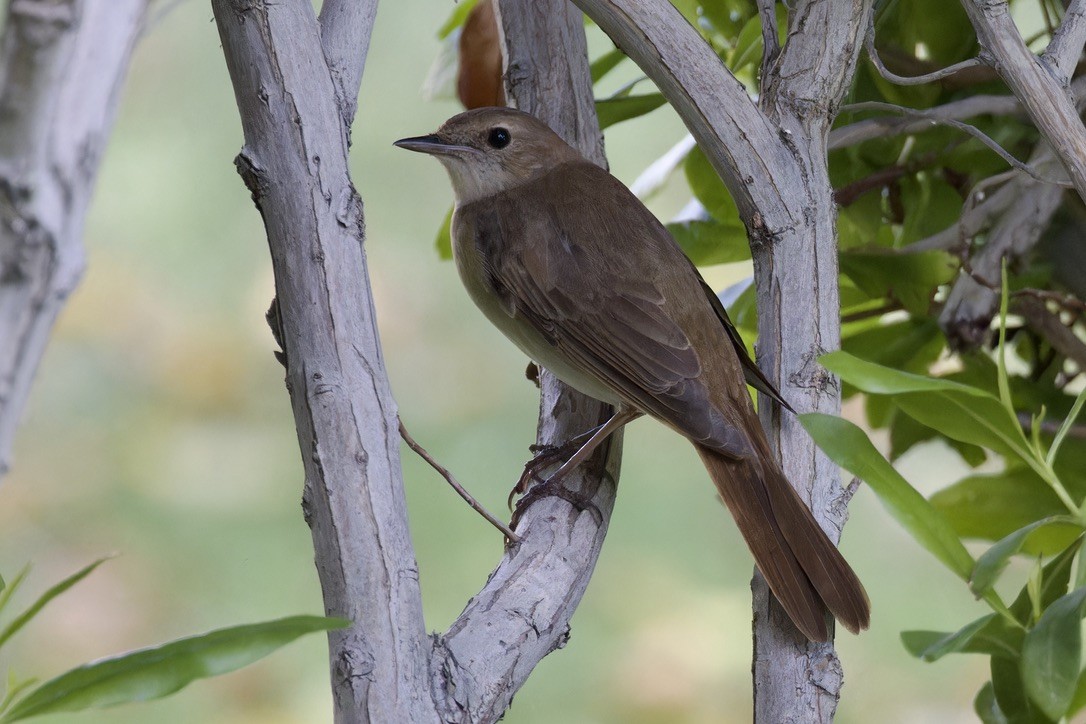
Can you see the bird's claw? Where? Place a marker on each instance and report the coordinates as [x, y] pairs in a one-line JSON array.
[[554, 489]]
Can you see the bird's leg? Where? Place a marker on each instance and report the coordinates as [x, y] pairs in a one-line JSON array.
[[552, 486], [545, 455]]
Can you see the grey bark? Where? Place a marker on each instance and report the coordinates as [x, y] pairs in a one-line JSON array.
[[296, 83], [62, 66], [1037, 82], [773, 161], [295, 116]]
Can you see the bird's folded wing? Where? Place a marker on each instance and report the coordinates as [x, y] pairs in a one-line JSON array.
[[599, 301]]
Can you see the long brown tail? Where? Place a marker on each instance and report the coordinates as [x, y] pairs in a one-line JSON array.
[[805, 571]]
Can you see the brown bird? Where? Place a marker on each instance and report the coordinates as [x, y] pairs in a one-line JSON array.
[[571, 266]]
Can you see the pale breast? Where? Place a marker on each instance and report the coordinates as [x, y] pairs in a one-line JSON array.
[[472, 243]]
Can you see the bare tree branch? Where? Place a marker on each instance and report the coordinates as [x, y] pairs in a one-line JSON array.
[[346, 26], [62, 66], [523, 612], [1065, 48], [869, 45], [1049, 326], [970, 306], [295, 163], [1045, 99], [974, 219], [936, 119], [798, 319]]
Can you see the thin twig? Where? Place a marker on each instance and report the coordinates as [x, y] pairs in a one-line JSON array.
[[979, 105], [1049, 326], [936, 118], [460, 490], [1051, 427], [1065, 301], [869, 44]]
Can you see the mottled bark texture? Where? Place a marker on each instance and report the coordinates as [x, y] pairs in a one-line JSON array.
[[62, 66]]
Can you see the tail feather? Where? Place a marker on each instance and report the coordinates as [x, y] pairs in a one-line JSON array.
[[805, 571]]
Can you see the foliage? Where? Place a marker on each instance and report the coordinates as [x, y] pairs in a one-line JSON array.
[[138, 675], [989, 381]]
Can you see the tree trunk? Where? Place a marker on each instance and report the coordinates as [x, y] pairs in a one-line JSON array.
[[62, 66]]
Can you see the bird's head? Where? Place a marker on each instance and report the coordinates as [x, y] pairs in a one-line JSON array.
[[490, 150]]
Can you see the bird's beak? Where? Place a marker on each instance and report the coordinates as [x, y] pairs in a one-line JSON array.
[[433, 145]]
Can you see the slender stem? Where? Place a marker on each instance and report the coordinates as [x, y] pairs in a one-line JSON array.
[[460, 489]]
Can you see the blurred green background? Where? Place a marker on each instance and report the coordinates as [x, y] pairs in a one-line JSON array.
[[159, 429]]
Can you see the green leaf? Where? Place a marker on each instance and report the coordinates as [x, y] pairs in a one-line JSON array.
[[25, 617], [9, 590], [987, 708], [615, 110], [995, 559], [708, 188], [959, 411], [1051, 655], [931, 205], [906, 431], [1010, 693], [848, 446], [1068, 422], [456, 18], [987, 635], [711, 242], [990, 507], [911, 278], [1055, 578], [443, 240], [909, 344], [880, 380], [156, 672], [604, 64], [1078, 699], [748, 46]]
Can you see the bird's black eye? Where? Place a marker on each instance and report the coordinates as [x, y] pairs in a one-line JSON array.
[[499, 138]]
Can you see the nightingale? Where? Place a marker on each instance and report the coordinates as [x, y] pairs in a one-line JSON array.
[[565, 261]]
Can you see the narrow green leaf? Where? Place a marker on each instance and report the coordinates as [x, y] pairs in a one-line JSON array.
[[848, 446], [156, 672], [9, 590], [987, 708], [989, 634], [14, 688], [995, 559], [24, 618], [604, 64], [443, 240], [1052, 653], [615, 110], [456, 18], [1068, 423], [1055, 580], [880, 380], [1001, 355]]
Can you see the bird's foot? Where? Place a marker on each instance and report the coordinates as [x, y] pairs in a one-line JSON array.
[[554, 489], [544, 456]]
